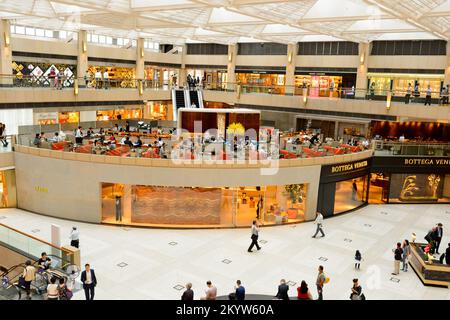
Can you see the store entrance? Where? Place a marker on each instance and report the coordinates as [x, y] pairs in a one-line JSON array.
[[379, 188], [249, 206], [115, 198]]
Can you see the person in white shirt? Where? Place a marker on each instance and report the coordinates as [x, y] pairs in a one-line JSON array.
[[98, 79], [79, 136], [401, 138], [254, 237], [57, 138], [105, 79], [319, 223], [211, 292], [52, 290], [193, 105], [428, 96], [74, 237]]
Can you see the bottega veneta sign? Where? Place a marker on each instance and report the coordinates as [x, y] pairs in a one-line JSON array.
[[427, 162], [349, 167]]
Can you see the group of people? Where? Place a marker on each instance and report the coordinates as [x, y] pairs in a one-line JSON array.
[[101, 79], [56, 79], [303, 292], [192, 81]]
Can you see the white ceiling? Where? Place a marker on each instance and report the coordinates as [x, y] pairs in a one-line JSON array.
[[232, 21]]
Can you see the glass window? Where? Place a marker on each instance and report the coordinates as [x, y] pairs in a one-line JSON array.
[[20, 30], [89, 37], [120, 41], [63, 34], [49, 33], [29, 31], [350, 194], [13, 29], [109, 40], [379, 188], [419, 188], [40, 32], [95, 38], [156, 46], [102, 39], [133, 43]]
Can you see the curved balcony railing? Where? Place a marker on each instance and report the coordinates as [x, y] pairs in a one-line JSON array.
[[413, 148]]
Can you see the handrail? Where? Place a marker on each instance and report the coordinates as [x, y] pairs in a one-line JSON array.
[[37, 239]]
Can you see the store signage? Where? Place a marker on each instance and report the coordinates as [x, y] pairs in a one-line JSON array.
[[349, 167], [427, 162], [41, 189]]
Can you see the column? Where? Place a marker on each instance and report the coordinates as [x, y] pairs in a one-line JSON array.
[[140, 59], [447, 67], [182, 81], [361, 76], [290, 68], [6, 52], [231, 66], [82, 64]]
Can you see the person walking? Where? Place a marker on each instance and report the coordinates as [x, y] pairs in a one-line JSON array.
[[79, 136], [105, 79], [74, 237], [408, 94], [405, 255], [303, 292], [439, 234], [283, 289], [320, 282], [428, 96], [188, 294], [398, 252], [89, 281], [357, 291], [358, 259], [29, 275], [254, 237], [319, 223]]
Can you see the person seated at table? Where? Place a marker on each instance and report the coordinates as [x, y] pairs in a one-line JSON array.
[[57, 138], [116, 128], [37, 140], [160, 142], [128, 142], [42, 137], [138, 143], [90, 132], [101, 132]]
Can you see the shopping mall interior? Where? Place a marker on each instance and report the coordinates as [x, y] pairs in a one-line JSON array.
[[162, 138]]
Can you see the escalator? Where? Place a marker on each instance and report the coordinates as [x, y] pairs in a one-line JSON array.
[[193, 94]]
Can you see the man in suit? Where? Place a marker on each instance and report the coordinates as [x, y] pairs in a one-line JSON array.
[[283, 289], [89, 281], [254, 237], [447, 255], [438, 237]]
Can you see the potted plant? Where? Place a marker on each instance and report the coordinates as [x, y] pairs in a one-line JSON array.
[[296, 194]]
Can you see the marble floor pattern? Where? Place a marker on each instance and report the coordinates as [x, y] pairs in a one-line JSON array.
[[134, 263]]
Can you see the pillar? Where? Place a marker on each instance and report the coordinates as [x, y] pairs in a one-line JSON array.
[[140, 59], [447, 67], [231, 66], [6, 54], [290, 68], [82, 62], [361, 76], [182, 75]]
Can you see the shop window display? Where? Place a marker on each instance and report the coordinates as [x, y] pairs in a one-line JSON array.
[[262, 83], [105, 115], [69, 117], [197, 206], [28, 74], [419, 188], [350, 194], [119, 77], [7, 189]]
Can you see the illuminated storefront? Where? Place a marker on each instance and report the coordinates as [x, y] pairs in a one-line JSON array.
[[398, 83], [343, 187], [158, 110], [195, 206], [68, 117], [41, 74], [122, 113], [410, 180], [325, 84], [120, 77], [8, 188]]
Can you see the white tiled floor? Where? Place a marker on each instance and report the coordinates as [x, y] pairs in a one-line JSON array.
[[155, 267]]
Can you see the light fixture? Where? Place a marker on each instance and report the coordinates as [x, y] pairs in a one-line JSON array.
[[230, 57], [142, 52], [84, 45], [290, 57], [388, 100], [141, 88], [6, 37], [75, 87], [362, 58]]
